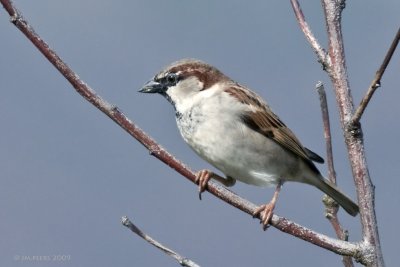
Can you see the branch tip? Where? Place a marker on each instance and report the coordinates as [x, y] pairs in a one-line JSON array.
[[376, 82], [125, 221], [183, 261]]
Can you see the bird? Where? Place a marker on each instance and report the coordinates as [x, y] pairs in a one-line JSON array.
[[235, 130]]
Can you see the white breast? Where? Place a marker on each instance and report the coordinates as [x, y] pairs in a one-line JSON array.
[[213, 129]]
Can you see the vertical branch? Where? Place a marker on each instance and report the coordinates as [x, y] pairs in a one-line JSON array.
[[352, 133], [327, 131], [331, 206]]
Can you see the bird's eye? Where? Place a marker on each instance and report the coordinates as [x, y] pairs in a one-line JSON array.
[[172, 78]]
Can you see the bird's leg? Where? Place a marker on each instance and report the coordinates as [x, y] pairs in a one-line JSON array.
[[267, 210], [204, 176]]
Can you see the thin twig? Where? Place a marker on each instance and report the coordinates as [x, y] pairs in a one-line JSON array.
[[376, 82], [181, 260], [331, 207], [321, 53], [282, 224], [327, 131]]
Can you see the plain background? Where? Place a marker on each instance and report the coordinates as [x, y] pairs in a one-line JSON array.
[[68, 173]]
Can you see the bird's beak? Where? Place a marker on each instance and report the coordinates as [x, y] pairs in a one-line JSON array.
[[152, 87]]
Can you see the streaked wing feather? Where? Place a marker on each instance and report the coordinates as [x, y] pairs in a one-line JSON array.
[[269, 125], [263, 120]]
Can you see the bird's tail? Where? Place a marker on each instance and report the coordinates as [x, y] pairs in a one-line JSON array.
[[330, 189]]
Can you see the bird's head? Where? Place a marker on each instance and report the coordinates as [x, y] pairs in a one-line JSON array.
[[182, 82]]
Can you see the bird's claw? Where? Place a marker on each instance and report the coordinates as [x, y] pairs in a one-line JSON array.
[[202, 179], [265, 213]]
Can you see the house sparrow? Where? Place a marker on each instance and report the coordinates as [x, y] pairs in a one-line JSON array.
[[232, 128]]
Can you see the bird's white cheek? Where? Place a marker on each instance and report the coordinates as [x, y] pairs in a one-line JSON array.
[[183, 95]]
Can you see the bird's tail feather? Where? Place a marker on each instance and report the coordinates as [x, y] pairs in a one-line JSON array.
[[330, 189]]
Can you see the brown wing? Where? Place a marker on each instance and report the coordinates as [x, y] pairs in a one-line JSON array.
[[264, 121], [269, 125]]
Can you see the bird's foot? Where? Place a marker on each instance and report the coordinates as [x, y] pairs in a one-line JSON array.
[[202, 178], [265, 212]]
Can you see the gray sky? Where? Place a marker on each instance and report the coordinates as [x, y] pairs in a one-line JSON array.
[[68, 173]]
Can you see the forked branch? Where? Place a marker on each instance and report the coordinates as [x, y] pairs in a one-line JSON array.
[[337, 72]]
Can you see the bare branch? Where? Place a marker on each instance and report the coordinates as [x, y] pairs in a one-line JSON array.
[[181, 260], [331, 207], [321, 53], [337, 72], [376, 82], [283, 224], [352, 132], [327, 131]]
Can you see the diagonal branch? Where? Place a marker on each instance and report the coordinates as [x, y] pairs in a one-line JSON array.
[[181, 260], [321, 53], [376, 82], [282, 224]]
